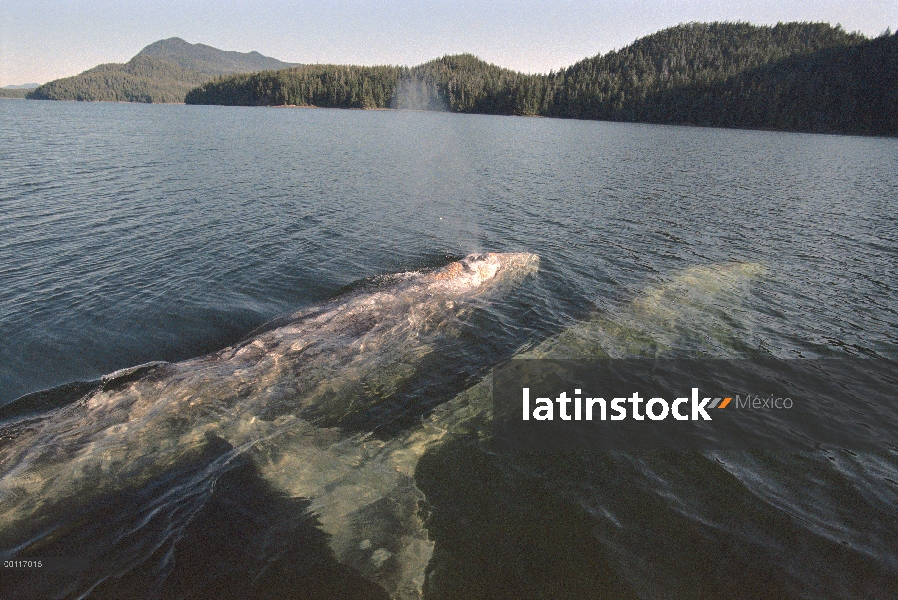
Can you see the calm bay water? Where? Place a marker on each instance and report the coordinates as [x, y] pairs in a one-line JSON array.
[[136, 233]]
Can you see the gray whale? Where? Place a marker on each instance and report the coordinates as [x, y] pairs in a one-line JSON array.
[[280, 397]]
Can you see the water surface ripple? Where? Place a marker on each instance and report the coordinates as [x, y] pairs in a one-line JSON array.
[[134, 233]]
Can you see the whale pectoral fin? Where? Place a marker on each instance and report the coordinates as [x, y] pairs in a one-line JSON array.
[[386, 537], [386, 540], [363, 502]]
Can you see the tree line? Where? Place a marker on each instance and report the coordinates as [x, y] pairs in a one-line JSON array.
[[793, 76], [13, 93]]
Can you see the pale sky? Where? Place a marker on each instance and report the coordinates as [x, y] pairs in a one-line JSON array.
[[45, 40]]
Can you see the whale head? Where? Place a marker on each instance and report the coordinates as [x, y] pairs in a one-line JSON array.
[[484, 270]]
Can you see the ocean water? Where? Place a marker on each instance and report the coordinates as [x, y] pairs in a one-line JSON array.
[[339, 450]]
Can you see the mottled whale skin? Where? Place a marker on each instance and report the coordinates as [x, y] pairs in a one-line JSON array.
[[361, 487], [364, 488], [287, 388]]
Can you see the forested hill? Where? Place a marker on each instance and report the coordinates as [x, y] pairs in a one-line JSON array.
[[792, 76], [461, 83], [162, 72]]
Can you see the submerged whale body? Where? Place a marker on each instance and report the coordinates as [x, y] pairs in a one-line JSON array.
[[283, 398], [290, 388], [366, 490], [647, 524]]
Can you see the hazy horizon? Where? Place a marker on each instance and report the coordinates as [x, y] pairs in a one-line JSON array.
[[42, 41]]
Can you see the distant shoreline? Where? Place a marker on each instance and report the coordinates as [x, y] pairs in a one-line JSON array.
[[796, 77], [377, 109]]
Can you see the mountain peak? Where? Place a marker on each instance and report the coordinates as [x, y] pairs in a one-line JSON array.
[[172, 44], [208, 60]]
